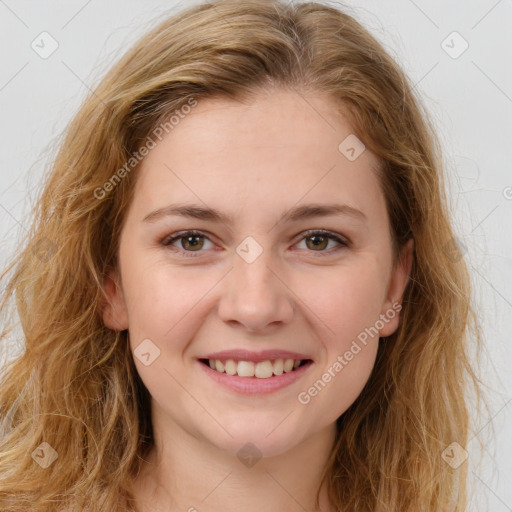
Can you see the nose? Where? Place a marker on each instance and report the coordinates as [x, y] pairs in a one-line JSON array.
[[255, 295]]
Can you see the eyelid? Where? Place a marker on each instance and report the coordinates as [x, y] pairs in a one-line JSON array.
[[168, 240], [325, 232], [343, 241]]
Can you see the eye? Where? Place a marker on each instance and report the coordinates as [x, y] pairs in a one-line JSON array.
[[318, 239], [191, 241]]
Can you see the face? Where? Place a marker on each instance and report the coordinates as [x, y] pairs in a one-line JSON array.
[[273, 274]]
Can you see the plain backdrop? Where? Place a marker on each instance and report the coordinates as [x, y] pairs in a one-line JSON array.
[[457, 53]]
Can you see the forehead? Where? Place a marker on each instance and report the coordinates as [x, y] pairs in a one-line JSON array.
[[281, 147]]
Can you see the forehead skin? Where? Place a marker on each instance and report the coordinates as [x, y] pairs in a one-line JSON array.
[[257, 160]]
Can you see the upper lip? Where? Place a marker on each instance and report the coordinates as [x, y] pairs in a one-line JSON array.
[[248, 355]]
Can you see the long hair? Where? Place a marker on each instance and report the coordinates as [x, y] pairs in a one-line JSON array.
[[75, 418]]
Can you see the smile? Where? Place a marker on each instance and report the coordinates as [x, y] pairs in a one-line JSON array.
[[255, 378], [259, 370]]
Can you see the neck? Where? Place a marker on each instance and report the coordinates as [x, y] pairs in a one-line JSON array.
[[191, 474]]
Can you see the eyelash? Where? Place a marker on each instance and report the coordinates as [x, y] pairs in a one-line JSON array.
[[167, 241]]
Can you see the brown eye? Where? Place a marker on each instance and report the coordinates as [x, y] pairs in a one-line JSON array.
[[189, 242], [317, 242], [192, 242]]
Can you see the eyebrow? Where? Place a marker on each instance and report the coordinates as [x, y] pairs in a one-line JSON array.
[[295, 214]]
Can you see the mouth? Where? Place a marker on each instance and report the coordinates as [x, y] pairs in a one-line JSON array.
[[255, 370]]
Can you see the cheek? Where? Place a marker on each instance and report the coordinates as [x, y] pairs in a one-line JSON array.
[[343, 373], [346, 309], [166, 307], [344, 300], [162, 299]]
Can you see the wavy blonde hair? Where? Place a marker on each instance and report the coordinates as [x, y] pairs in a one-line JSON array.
[[75, 385]]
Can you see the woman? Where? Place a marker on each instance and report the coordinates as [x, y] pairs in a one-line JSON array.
[[241, 289]]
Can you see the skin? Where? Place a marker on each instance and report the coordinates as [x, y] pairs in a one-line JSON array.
[[254, 161]]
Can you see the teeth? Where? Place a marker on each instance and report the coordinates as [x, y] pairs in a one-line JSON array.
[[264, 369], [288, 365], [245, 369], [278, 367], [230, 367], [260, 370]]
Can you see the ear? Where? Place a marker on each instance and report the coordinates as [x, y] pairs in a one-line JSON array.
[[399, 278], [115, 313]]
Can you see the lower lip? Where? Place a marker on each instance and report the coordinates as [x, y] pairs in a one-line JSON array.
[[254, 385]]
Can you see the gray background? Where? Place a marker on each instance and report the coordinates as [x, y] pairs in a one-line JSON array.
[[469, 96]]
